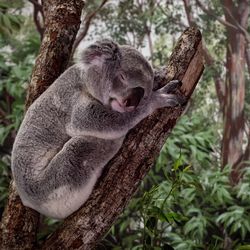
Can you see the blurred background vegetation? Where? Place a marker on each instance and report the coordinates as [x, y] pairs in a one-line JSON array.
[[197, 196]]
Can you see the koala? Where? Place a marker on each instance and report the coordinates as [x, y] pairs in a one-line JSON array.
[[79, 123]]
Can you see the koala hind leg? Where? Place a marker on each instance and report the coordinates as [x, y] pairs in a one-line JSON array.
[[76, 169]]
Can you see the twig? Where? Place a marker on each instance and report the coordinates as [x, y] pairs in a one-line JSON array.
[[87, 21], [38, 22], [211, 12]]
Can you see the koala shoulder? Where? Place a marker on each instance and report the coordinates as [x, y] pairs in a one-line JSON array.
[[72, 77]]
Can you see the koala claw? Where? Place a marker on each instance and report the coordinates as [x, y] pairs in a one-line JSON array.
[[171, 86], [172, 99], [182, 100]]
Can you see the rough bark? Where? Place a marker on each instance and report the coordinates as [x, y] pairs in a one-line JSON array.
[[232, 142], [231, 95], [62, 20], [19, 223], [248, 57], [124, 172]]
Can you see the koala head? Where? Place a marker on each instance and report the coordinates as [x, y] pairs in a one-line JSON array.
[[118, 76]]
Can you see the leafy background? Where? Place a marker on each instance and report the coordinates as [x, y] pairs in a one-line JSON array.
[[187, 201]]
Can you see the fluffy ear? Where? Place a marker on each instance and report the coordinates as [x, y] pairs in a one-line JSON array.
[[100, 52]]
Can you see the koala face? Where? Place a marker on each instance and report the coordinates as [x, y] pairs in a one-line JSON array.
[[118, 76], [132, 82]]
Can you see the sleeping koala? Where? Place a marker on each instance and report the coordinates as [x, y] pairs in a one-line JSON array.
[[79, 123]]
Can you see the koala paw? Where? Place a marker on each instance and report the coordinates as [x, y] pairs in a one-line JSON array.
[[171, 86], [182, 100], [172, 99]]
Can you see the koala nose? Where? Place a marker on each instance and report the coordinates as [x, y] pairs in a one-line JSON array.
[[134, 97]]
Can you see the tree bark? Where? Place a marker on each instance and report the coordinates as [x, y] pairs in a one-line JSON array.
[[62, 21], [232, 142], [231, 95], [124, 172]]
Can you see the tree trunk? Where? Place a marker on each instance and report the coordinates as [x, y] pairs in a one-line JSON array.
[[62, 21], [231, 95], [123, 174], [233, 112]]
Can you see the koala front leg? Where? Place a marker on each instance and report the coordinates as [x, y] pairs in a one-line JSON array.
[[171, 86], [102, 122], [163, 97]]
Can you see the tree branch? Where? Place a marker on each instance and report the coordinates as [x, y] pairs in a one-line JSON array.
[[124, 172], [247, 54], [211, 12], [189, 13], [19, 223], [61, 22], [238, 25], [181, 24], [235, 25], [87, 21], [38, 9], [37, 4]]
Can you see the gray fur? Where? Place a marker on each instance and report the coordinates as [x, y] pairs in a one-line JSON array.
[[73, 129]]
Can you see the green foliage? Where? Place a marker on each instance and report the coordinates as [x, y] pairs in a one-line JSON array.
[[184, 212], [19, 45], [10, 22], [189, 138], [186, 201], [135, 22], [4, 180], [189, 206], [15, 74]]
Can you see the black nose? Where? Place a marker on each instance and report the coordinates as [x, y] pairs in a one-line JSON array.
[[134, 98]]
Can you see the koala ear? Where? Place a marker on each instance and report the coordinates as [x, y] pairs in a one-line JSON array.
[[101, 52]]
